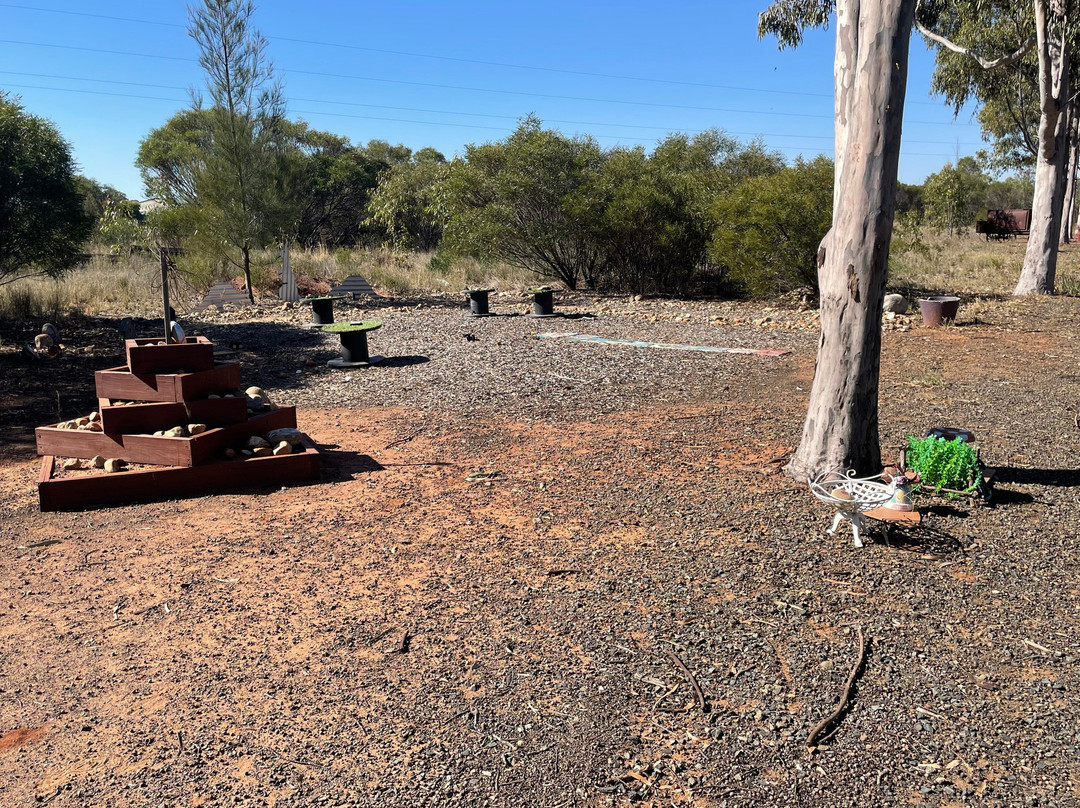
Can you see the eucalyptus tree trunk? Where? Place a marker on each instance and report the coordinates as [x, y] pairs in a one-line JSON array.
[[1040, 260], [1068, 208], [841, 428]]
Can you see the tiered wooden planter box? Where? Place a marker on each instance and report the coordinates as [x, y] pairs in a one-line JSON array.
[[172, 383]]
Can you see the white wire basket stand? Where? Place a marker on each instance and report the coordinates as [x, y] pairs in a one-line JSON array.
[[851, 496]]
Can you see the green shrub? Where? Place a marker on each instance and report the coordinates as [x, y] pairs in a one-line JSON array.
[[769, 228], [943, 464]]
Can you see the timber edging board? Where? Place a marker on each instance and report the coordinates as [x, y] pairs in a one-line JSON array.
[[145, 355], [151, 417], [158, 450], [74, 493], [119, 383]]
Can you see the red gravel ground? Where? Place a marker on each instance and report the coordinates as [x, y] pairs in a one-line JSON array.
[[489, 597]]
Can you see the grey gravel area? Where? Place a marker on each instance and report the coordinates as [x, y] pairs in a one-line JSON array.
[[437, 357]]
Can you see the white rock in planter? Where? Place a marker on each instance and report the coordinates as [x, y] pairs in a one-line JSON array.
[[283, 448], [897, 304], [98, 462], [195, 429], [259, 393], [113, 465], [72, 464]]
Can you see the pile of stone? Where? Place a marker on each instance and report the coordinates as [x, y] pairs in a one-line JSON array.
[[182, 431], [277, 442], [87, 423], [111, 465]]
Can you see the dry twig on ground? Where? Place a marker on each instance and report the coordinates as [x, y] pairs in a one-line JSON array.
[[838, 713]]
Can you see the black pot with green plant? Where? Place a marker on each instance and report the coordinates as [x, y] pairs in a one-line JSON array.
[[949, 468]]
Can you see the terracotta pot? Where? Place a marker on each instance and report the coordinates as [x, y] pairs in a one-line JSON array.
[[938, 310]]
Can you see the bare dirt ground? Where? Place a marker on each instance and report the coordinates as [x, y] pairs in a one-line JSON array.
[[518, 542]]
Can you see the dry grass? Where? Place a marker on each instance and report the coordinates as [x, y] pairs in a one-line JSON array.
[[113, 286], [972, 265], [407, 273], [102, 286], [131, 286]]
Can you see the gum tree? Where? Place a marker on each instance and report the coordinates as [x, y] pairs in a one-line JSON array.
[[1046, 28], [870, 75]]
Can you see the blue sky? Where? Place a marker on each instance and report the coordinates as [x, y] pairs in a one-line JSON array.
[[448, 74]]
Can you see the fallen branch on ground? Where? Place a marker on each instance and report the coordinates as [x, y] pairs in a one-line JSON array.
[[698, 694], [838, 713]]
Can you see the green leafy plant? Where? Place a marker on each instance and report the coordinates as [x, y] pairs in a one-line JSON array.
[[948, 467]]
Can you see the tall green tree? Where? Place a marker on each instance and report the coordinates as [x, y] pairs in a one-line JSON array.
[[241, 187], [172, 157], [43, 222], [333, 181], [514, 201], [653, 214], [1047, 30], [956, 195], [410, 201]]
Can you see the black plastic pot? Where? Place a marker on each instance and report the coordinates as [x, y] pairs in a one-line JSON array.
[[478, 302], [543, 304]]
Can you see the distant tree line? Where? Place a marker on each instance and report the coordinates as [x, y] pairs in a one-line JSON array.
[[953, 198], [698, 215]]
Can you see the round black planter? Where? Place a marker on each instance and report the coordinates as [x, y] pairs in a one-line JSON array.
[[478, 302], [543, 305], [323, 310], [354, 346]]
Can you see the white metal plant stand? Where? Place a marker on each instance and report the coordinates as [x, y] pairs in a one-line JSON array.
[[851, 495]]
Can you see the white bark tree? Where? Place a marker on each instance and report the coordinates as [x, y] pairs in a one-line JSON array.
[[1068, 209], [1052, 29], [870, 75]]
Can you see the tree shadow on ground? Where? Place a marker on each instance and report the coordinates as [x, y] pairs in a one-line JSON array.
[[921, 538], [39, 391], [271, 353], [1051, 478]]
